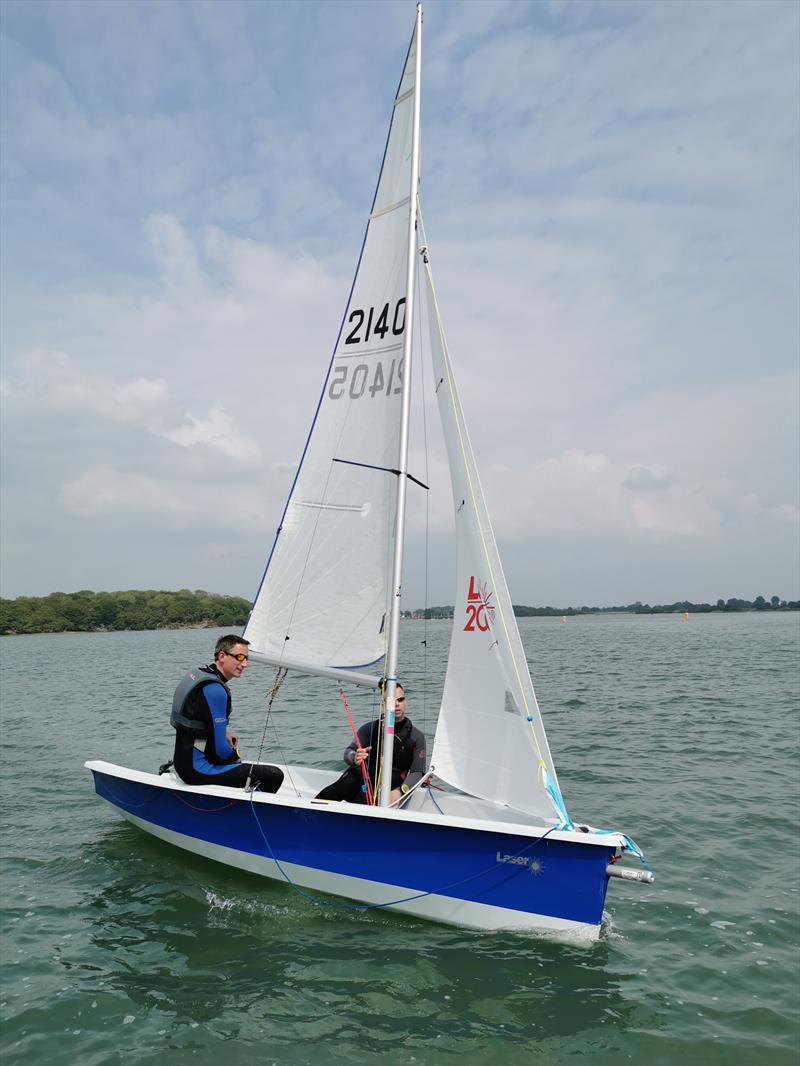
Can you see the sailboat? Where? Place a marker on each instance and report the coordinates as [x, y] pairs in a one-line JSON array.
[[484, 840]]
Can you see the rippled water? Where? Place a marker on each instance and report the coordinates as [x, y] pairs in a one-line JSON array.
[[120, 949]]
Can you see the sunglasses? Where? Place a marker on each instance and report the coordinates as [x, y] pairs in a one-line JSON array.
[[240, 658]]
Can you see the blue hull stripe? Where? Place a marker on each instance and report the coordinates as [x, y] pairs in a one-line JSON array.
[[555, 878]]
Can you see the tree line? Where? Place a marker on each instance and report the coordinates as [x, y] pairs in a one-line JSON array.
[[760, 603], [92, 612], [775, 603]]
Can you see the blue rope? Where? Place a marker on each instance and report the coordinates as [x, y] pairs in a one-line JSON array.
[[392, 903], [433, 799], [627, 845]]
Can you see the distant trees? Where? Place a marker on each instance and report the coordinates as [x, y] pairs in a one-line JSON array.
[[91, 612], [429, 612], [98, 611], [758, 604], [680, 606]]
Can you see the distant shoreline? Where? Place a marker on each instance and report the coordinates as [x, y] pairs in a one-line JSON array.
[[130, 610], [146, 610], [775, 603]]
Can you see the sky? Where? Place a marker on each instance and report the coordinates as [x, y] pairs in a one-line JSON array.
[[612, 200]]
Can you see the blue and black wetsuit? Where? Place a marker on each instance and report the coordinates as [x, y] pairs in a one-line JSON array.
[[408, 760], [200, 714]]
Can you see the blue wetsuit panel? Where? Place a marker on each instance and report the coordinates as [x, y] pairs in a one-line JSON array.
[[217, 701]]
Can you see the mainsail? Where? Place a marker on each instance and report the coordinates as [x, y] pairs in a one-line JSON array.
[[490, 739], [324, 598]]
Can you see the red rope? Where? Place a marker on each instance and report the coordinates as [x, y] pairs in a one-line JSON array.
[[204, 810], [364, 770]]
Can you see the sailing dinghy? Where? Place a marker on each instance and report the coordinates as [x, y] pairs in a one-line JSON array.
[[492, 847]]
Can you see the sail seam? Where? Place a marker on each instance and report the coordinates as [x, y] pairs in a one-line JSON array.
[[369, 351], [390, 208]]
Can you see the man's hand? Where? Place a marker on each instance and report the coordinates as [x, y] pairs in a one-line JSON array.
[[360, 755]]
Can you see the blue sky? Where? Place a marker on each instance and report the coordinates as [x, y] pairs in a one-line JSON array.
[[611, 195]]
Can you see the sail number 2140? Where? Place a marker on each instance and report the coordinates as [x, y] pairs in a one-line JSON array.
[[366, 325]]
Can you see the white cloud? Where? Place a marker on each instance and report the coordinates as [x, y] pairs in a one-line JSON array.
[[175, 256], [642, 479], [104, 490], [580, 492], [754, 511], [123, 497], [216, 433], [47, 379], [676, 514]]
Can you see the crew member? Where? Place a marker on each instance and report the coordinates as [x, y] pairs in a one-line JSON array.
[[408, 758], [205, 749]]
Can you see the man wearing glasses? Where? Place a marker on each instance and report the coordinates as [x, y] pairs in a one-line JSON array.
[[408, 758], [205, 748]]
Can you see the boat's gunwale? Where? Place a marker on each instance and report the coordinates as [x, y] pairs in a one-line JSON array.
[[353, 810]]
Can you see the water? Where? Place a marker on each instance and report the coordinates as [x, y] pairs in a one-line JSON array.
[[119, 949]]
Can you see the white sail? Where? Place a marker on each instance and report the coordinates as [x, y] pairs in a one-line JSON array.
[[325, 596], [490, 739]]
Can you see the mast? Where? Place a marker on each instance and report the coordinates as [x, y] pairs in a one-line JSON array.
[[402, 480]]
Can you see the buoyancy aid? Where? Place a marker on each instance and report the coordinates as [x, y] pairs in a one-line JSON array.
[[193, 679]]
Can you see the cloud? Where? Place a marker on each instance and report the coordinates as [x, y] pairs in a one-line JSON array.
[[175, 256], [216, 433], [676, 515], [47, 379], [587, 493], [755, 512], [103, 490], [640, 479]]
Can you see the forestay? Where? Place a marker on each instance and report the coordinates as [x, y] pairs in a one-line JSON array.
[[490, 739], [325, 593]]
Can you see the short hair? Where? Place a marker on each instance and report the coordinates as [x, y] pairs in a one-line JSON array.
[[228, 643]]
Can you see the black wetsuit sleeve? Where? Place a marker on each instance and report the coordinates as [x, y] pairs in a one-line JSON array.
[[364, 734], [417, 769]]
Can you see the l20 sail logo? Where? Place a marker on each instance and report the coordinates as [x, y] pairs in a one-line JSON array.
[[480, 609]]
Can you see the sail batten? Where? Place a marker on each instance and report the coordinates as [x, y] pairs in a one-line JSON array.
[[391, 207]]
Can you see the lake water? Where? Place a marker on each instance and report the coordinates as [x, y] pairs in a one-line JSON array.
[[117, 948]]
